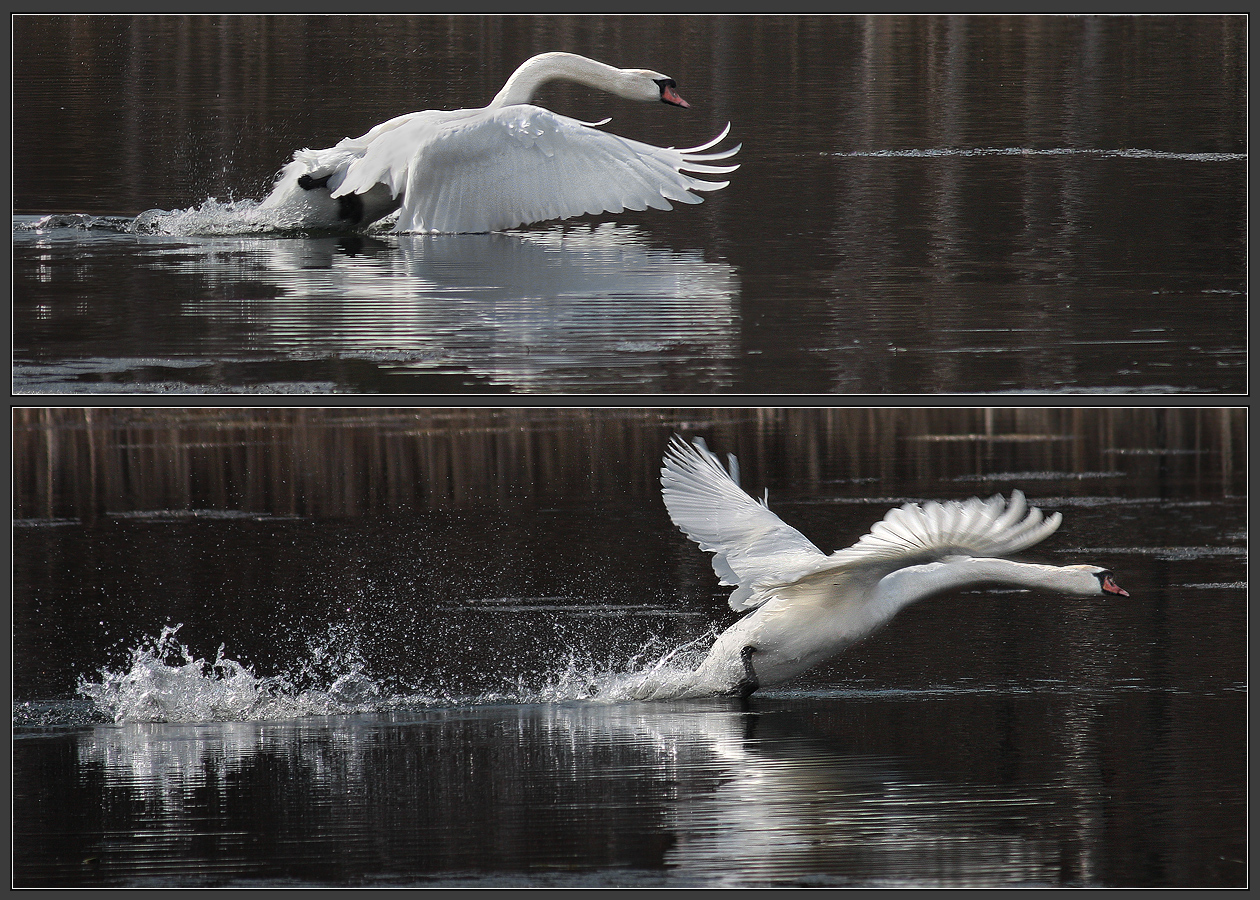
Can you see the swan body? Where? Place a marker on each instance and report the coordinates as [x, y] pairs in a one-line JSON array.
[[804, 606], [508, 164]]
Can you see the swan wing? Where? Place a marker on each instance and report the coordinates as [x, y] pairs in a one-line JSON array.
[[910, 535], [751, 546], [917, 533], [495, 169], [385, 154]]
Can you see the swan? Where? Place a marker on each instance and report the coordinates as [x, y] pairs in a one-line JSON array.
[[507, 164], [804, 606]]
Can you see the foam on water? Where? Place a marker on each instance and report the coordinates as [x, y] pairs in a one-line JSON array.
[[212, 217], [165, 682]]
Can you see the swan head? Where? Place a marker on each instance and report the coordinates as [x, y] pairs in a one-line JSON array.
[[649, 86], [1090, 581], [632, 84]]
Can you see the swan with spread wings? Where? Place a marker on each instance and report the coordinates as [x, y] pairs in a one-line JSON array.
[[507, 164], [803, 606]]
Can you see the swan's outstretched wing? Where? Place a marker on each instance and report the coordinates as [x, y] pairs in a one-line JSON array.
[[752, 547], [917, 533], [914, 534], [487, 171]]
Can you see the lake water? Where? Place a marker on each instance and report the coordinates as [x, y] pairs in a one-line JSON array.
[[924, 205], [361, 647]]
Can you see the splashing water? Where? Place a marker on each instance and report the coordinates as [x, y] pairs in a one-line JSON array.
[[212, 217], [166, 683], [231, 217]]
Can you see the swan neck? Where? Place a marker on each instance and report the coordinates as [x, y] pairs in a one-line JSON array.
[[535, 72], [914, 583]]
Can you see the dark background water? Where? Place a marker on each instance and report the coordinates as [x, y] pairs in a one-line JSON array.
[[925, 204], [469, 556]]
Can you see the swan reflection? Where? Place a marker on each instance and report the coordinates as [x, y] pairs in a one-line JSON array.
[[548, 310], [736, 797], [779, 802]]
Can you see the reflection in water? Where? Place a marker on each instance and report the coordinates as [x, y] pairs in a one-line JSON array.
[[570, 307], [527, 309], [734, 799], [786, 807]]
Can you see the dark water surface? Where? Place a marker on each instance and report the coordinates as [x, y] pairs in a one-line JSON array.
[[925, 205], [395, 623]]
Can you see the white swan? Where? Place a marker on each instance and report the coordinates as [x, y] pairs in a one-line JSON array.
[[509, 164], [807, 606]]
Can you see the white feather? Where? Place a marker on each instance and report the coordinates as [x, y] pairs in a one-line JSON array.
[[508, 164], [805, 605]]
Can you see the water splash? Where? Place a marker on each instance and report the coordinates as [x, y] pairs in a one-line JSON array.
[[74, 222], [165, 682], [212, 217], [215, 217]]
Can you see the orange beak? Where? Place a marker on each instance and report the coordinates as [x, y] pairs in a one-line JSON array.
[[669, 95], [1110, 586]]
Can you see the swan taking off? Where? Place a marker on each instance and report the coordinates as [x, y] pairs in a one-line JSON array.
[[805, 606], [508, 164]]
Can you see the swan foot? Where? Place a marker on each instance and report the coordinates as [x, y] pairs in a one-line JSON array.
[[749, 683], [349, 207], [307, 183]]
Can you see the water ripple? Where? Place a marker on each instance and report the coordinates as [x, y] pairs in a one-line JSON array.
[[1130, 153]]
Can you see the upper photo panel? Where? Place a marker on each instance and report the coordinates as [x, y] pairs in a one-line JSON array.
[[877, 205]]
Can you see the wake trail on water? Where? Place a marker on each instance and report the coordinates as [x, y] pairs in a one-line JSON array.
[[212, 217], [1129, 153], [165, 682]]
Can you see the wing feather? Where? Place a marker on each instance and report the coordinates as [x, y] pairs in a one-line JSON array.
[[916, 533], [472, 171], [765, 558], [752, 547]]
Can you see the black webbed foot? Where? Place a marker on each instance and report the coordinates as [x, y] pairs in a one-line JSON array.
[[307, 183], [749, 683], [350, 208]]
